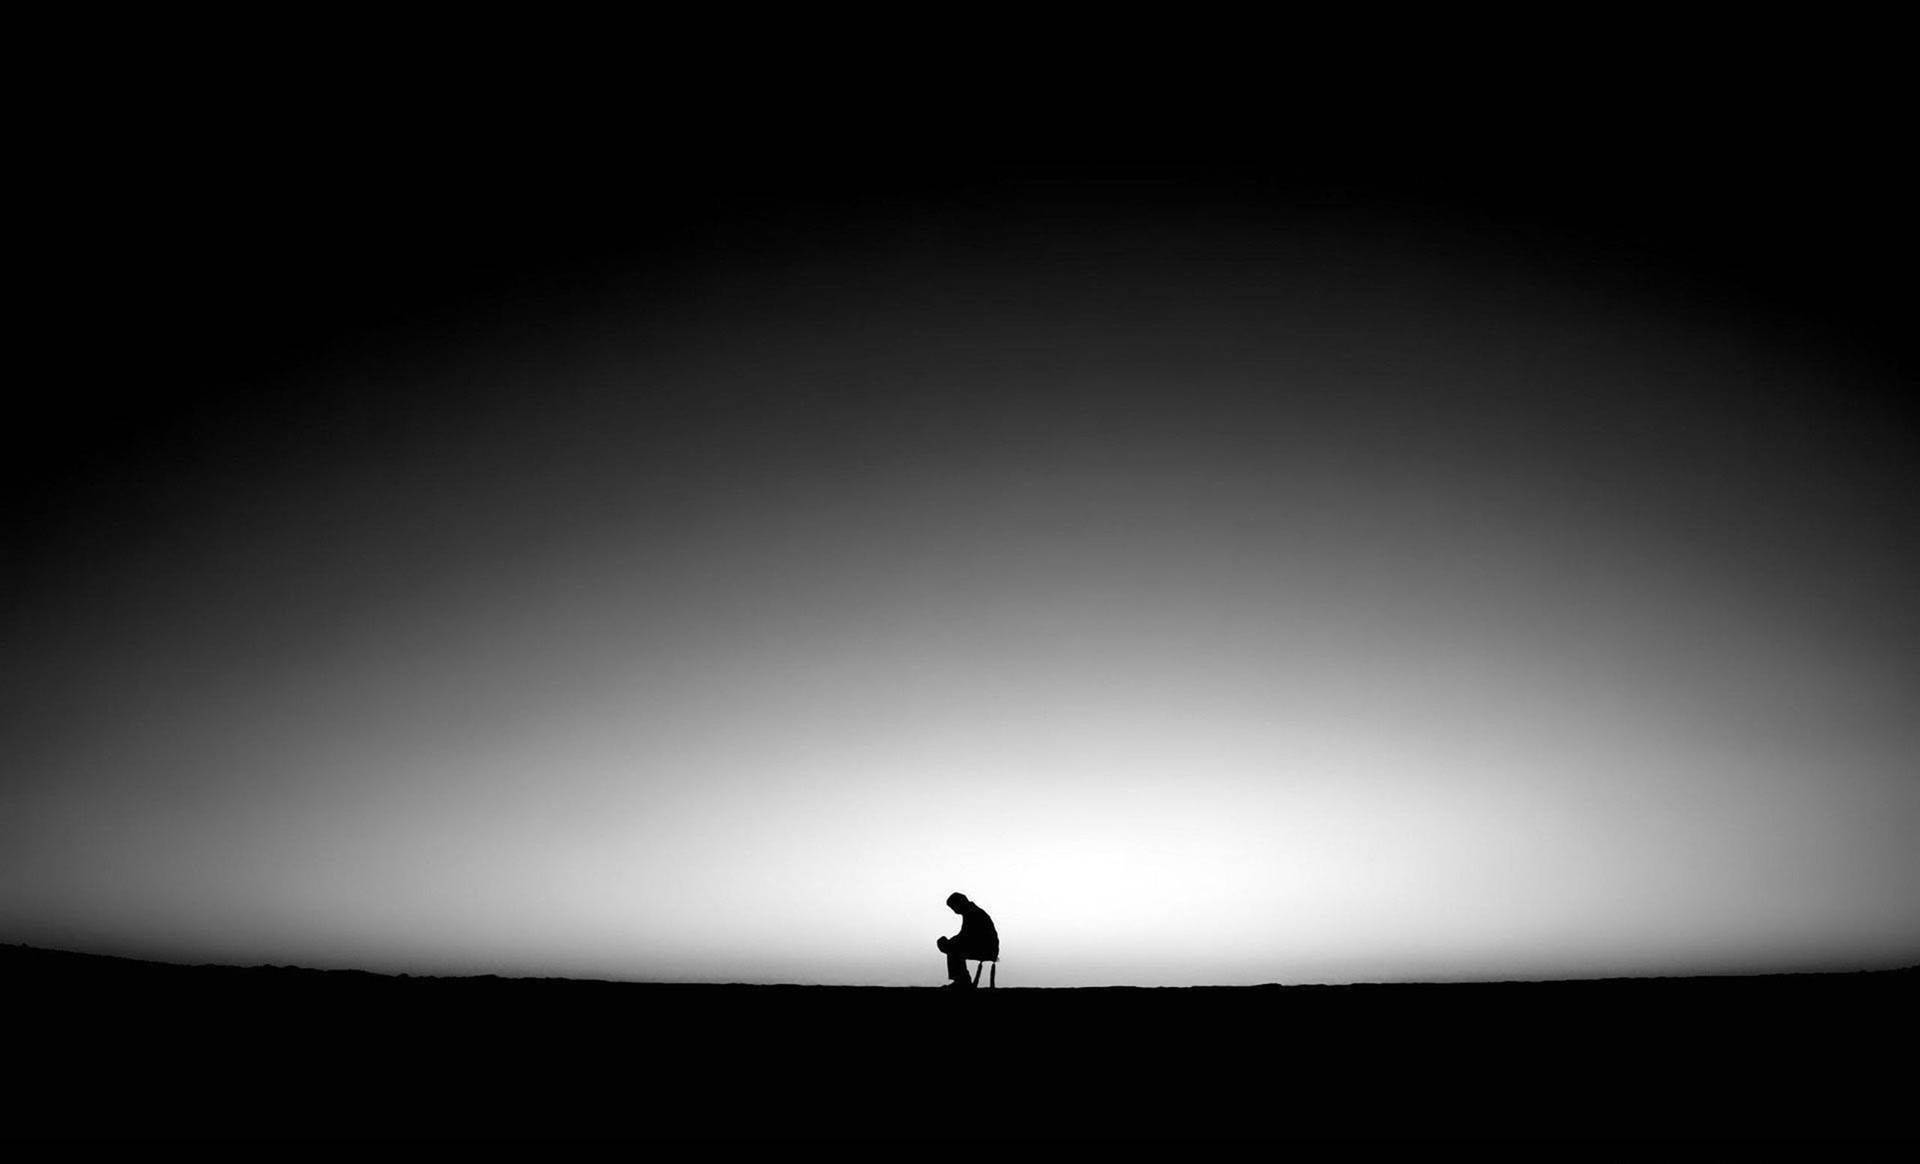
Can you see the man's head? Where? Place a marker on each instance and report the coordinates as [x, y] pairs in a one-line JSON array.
[[957, 902]]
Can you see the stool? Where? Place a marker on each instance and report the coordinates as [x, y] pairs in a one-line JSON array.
[[991, 978]]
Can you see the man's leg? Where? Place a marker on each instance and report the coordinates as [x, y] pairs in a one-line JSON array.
[[956, 962]]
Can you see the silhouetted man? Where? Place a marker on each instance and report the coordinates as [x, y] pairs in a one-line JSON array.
[[977, 939]]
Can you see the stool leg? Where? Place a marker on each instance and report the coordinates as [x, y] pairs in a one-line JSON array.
[[976, 973], [993, 977]]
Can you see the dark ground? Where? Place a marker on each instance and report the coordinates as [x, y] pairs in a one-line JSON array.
[[110, 1048]]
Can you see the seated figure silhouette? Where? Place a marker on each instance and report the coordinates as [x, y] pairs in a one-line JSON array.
[[977, 939]]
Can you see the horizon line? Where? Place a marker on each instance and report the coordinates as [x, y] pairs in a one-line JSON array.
[[1907, 968]]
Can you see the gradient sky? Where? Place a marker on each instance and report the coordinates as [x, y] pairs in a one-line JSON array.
[[1218, 585]]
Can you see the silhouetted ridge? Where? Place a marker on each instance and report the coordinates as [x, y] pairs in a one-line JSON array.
[[123, 1047]]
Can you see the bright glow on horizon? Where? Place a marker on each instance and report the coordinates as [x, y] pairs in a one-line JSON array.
[[1315, 659]]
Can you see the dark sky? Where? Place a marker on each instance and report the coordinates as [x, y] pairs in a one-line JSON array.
[[453, 536]]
